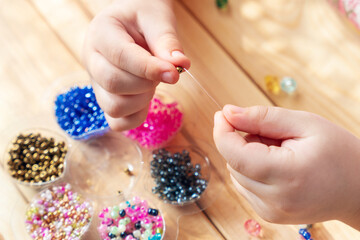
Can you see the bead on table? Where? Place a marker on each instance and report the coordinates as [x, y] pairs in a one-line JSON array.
[[288, 85], [272, 84], [252, 227]]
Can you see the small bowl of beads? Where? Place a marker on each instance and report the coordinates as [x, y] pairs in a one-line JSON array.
[[181, 174], [58, 213], [134, 219], [78, 113], [37, 157], [163, 122]]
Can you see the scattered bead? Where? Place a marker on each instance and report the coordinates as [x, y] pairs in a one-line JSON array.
[[221, 3], [146, 226], [272, 84], [252, 227], [36, 159], [177, 180], [288, 85], [78, 113], [162, 123], [128, 172], [305, 234], [58, 213]]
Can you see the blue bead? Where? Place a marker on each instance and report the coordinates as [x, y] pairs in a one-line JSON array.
[[288, 84], [78, 113], [303, 232]]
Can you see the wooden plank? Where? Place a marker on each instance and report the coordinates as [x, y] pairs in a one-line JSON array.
[[302, 39], [47, 9], [255, 39]]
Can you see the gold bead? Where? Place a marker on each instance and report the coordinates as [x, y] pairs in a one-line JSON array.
[[35, 167], [180, 69]]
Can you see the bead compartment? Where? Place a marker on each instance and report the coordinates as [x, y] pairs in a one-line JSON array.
[[184, 187], [43, 211], [110, 154], [163, 122], [78, 113], [44, 133], [131, 219]]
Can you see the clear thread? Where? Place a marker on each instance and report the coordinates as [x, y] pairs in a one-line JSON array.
[[202, 88]]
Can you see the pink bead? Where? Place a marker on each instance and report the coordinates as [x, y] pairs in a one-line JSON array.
[[252, 227], [136, 200], [144, 203], [133, 219], [162, 123]]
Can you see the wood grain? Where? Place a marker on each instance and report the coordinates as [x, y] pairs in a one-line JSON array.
[[50, 46]]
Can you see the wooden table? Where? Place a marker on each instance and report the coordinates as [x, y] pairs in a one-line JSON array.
[[231, 52]]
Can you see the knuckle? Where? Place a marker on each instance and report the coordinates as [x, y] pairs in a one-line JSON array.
[[114, 109], [111, 82], [262, 113]]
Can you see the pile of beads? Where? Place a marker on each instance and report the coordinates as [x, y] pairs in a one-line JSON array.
[[131, 220], [177, 180], [79, 114], [36, 159], [58, 213], [162, 123], [252, 227]]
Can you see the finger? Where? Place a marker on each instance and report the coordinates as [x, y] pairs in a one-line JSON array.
[[128, 122], [270, 122], [252, 198], [259, 139], [115, 80], [160, 34], [258, 188], [254, 160], [117, 106], [116, 45]]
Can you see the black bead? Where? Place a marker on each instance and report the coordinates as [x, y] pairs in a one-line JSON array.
[[111, 235], [122, 213], [154, 212], [138, 225], [123, 234]]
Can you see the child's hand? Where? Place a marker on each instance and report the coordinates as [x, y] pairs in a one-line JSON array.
[[293, 167], [130, 47]]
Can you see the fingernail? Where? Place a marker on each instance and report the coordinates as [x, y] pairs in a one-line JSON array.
[[167, 77], [177, 54], [234, 109]]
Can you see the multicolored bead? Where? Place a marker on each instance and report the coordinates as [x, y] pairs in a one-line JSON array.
[[58, 212], [135, 224]]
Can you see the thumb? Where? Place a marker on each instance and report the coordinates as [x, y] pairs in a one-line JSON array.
[[270, 122], [159, 29]]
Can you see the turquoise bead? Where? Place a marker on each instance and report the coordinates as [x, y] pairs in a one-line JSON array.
[[221, 3], [288, 84]]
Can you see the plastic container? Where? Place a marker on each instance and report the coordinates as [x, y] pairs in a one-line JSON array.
[[44, 133]]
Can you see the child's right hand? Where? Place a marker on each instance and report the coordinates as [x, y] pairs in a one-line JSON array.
[[130, 47]]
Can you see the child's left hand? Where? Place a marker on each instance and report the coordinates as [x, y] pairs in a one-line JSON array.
[[292, 166]]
